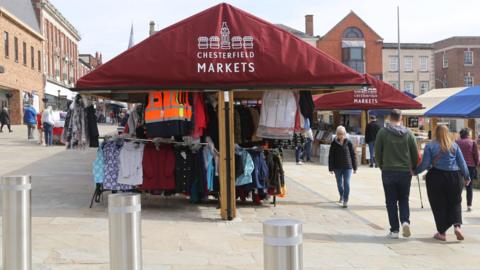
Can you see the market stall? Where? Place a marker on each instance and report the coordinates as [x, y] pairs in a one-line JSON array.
[[379, 95], [219, 52]]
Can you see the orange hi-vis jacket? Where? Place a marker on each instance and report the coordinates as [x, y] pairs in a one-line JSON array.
[[168, 113]]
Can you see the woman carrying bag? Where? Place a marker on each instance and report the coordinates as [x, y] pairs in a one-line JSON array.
[[445, 181], [342, 162], [470, 153]]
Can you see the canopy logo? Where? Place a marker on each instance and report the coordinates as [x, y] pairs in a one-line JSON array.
[[236, 53], [365, 96]]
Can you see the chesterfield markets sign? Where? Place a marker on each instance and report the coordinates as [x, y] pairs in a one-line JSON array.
[[365, 96], [234, 52]]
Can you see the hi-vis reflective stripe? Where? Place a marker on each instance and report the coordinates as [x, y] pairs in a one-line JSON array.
[[168, 106]]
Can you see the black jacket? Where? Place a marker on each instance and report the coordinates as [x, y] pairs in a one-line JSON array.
[[342, 156], [4, 117], [371, 131]]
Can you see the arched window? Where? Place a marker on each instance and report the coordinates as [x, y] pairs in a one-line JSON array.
[[353, 33]]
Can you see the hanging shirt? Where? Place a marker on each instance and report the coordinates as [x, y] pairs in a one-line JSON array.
[[131, 170], [184, 162], [199, 115], [158, 168], [98, 164], [111, 153], [277, 117], [246, 177]]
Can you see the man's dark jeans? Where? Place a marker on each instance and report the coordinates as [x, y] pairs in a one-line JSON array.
[[396, 185]]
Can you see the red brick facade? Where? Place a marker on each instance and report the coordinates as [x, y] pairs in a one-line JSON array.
[[331, 43]]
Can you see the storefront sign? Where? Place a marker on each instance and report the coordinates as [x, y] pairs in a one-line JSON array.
[[225, 54], [365, 96]]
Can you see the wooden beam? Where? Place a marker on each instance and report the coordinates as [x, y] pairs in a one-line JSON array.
[[363, 126]]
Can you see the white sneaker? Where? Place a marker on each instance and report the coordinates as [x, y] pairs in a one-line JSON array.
[[300, 163], [393, 235], [406, 229], [340, 201], [345, 204]]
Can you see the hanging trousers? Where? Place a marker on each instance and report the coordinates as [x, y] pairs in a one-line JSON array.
[[444, 190]]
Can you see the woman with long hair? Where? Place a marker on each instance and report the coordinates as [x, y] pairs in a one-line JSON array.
[[470, 153], [445, 180]]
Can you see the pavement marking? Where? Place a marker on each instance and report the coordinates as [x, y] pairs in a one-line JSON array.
[[355, 215]]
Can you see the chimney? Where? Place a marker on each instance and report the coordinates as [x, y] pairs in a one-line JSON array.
[[152, 28], [309, 25]]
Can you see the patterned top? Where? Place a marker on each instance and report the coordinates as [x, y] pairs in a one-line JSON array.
[[111, 153], [98, 172]]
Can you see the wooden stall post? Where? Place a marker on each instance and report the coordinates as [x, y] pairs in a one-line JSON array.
[[363, 126], [227, 155], [471, 125], [336, 119], [433, 126]]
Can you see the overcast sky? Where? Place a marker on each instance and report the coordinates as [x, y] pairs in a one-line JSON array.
[[105, 24]]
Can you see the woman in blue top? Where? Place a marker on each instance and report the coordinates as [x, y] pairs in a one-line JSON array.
[[445, 181]]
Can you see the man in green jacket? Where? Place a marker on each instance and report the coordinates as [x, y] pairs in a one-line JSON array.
[[397, 156]]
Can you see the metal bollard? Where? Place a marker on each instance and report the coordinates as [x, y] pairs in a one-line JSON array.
[[125, 231], [17, 222], [282, 244]]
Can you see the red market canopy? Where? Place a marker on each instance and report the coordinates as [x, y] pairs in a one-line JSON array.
[[220, 48], [380, 95]]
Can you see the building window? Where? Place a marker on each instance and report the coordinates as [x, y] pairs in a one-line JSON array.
[[394, 84], [445, 60], [353, 33], [15, 47], [468, 80], [408, 63], [354, 58], [393, 63], [32, 57], [424, 63], [424, 87], [6, 44], [39, 60], [24, 53], [468, 58], [408, 86]]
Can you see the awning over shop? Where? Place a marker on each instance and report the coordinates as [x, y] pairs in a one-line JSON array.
[[432, 98], [463, 104], [221, 48], [379, 95], [52, 89]]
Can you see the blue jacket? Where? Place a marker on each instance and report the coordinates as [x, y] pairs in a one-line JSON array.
[[451, 161], [30, 115]]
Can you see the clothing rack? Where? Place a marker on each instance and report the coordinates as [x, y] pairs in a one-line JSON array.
[[154, 140]]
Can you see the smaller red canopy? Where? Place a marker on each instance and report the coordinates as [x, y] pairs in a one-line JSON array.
[[379, 95]]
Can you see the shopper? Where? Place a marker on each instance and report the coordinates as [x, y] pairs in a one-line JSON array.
[[470, 154], [445, 181], [308, 144], [370, 135], [30, 119], [5, 119], [397, 156], [40, 128], [342, 162], [48, 122], [299, 144]]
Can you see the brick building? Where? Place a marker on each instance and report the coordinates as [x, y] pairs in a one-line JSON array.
[[21, 57], [354, 43], [457, 62], [308, 35], [61, 53], [88, 62], [417, 72]]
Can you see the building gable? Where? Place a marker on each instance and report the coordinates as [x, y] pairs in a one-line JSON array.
[[352, 19]]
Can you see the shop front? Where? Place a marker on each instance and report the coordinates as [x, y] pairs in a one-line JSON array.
[[57, 96]]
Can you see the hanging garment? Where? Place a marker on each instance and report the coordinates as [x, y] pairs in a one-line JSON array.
[[209, 164], [276, 176], [75, 134], [255, 118], [306, 105], [246, 124], [131, 170], [184, 165], [134, 121], [92, 126], [199, 115], [212, 128], [199, 189], [98, 167], [111, 153], [246, 177], [237, 126], [158, 168], [168, 113], [260, 171], [277, 117]]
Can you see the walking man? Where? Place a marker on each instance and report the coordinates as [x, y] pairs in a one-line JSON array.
[[397, 156], [370, 135], [30, 119], [5, 119]]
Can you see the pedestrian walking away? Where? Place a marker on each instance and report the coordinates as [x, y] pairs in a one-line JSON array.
[[308, 144], [397, 156], [371, 132], [470, 154], [40, 128], [445, 179], [48, 123], [342, 162], [5, 119], [30, 119], [299, 144]]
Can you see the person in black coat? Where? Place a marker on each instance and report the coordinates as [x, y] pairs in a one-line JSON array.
[[342, 162], [370, 136], [5, 119]]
